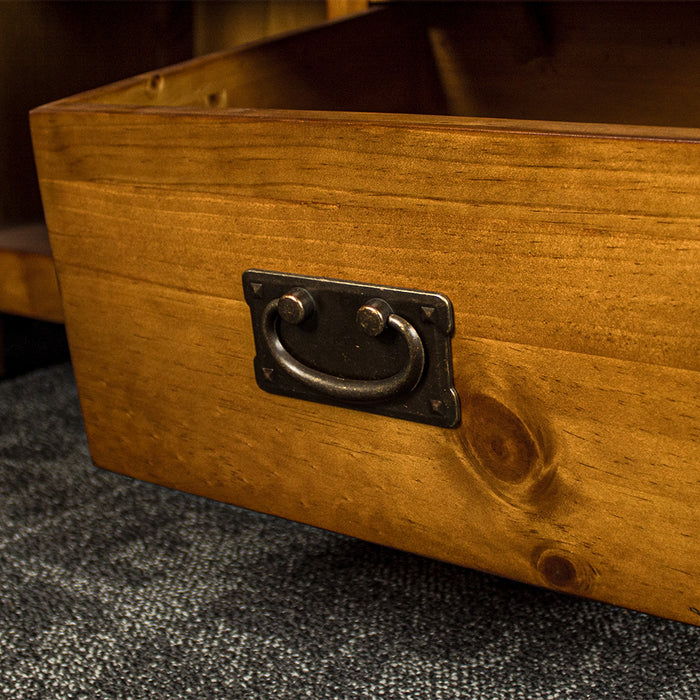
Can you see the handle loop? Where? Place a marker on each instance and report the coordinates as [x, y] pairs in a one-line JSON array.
[[340, 388]]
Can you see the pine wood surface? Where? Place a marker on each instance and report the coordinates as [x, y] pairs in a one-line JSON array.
[[571, 255], [577, 243]]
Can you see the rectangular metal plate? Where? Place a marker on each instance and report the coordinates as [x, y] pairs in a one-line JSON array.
[[331, 344]]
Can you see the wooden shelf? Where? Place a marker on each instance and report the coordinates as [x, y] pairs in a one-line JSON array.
[[28, 285]]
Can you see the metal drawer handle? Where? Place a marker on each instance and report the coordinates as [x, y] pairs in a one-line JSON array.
[[373, 317]]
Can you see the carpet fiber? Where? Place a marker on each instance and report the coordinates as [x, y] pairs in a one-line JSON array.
[[113, 588]]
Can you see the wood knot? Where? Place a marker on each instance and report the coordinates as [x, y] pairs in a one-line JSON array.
[[499, 439], [508, 447], [563, 570]]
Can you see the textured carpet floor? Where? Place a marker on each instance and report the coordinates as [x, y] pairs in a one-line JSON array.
[[112, 588]]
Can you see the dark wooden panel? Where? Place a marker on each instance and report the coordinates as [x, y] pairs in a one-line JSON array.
[[627, 63]]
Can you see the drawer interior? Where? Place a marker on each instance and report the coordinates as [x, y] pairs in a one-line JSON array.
[[623, 63]]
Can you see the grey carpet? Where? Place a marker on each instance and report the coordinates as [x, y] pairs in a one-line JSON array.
[[112, 588]]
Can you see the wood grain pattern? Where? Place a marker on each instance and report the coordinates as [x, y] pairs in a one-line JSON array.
[[576, 243], [570, 252], [589, 459], [28, 284]]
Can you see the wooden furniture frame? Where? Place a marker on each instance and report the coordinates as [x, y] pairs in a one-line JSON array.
[[443, 150]]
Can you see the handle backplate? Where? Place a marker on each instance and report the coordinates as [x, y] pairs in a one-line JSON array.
[[370, 347]]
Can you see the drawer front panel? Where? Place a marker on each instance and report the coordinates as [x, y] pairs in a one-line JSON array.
[[571, 261]]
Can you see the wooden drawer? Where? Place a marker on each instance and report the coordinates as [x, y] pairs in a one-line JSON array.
[[492, 153]]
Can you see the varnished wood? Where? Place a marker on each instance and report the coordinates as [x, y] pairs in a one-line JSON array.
[[571, 254], [28, 285], [576, 242]]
